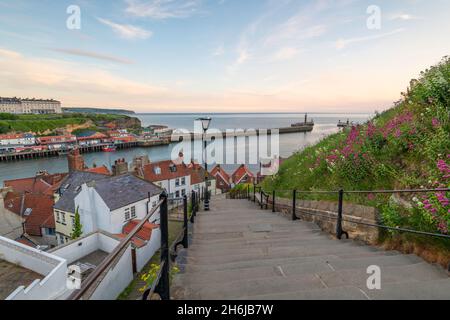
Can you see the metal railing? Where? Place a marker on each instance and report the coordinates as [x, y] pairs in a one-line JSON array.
[[340, 232], [161, 284]]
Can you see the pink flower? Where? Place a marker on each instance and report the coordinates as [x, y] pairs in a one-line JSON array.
[[436, 123]]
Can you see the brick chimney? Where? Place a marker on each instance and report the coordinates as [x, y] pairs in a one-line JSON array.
[[76, 161], [120, 167]]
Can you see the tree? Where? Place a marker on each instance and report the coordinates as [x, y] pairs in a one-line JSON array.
[[77, 227]]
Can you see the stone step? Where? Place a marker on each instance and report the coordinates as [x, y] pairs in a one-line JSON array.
[[259, 238], [421, 271], [247, 244], [286, 269], [229, 237], [339, 293], [292, 253], [193, 267], [255, 227], [420, 290], [245, 288], [287, 250]]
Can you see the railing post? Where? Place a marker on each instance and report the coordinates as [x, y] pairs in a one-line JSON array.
[[339, 230], [186, 223], [193, 206], [294, 205], [254, 192], [273, 201], [261, 198], [248, 192], [164, 285]]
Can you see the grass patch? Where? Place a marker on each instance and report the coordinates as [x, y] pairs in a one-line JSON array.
[[132, 291]]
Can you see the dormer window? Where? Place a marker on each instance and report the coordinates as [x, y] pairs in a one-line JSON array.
[[157, 170], [173, 168]]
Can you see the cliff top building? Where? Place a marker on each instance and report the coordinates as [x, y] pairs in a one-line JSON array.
[[29, 106]]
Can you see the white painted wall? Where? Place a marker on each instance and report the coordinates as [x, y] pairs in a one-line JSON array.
[[118, 216], [95, 214], [144, 254], [117, 279], [52, 267]]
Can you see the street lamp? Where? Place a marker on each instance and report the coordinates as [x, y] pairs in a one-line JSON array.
[[205, 125]]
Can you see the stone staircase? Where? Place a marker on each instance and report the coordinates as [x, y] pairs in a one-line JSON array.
[[239, 252]]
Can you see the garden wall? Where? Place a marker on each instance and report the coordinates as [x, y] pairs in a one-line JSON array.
[[324, 214]]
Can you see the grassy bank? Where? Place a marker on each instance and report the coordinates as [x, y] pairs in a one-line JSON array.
[[407, 146], [44, 123]]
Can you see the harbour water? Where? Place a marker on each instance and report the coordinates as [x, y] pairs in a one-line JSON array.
[[325, 124]]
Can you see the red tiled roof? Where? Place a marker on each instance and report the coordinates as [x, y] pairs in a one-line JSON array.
[[124, 139], [198, 174], [11, 136], [57, 139], [97, 135], [240, 173], [136, 241], [100, 170], [166, 173], [39, 184], [42, 210], [218, 170], [144, 234], [26, 242]]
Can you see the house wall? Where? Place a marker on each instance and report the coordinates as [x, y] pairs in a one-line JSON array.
[[117, 279], [144, 254], [120, 275], [64, 229], [118, 216], [94, 213], [171, 187], [52, 268]]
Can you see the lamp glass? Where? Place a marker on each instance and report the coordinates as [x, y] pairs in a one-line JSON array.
[[205, 123]]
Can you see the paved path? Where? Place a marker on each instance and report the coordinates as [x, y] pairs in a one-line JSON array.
[[241, 252]]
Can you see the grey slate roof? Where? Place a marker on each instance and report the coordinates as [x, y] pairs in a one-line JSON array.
[[116, 192], [121, 191]]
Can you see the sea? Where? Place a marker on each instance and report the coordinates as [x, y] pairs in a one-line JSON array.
[[325, 124]]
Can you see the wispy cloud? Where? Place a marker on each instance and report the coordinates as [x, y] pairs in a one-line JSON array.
[[286, 53], [162, 9], [343, 43], [403, 16], [127, 31], [43, 75], [94, 55]]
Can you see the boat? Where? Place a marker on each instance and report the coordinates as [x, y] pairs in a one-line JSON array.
[[110, 148]]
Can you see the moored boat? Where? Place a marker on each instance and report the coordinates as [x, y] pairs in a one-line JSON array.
[[110, 148]]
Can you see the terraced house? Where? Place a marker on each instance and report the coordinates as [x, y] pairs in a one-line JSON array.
[[106, 203]]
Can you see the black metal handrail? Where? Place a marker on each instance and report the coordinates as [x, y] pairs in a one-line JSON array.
[[340, 219], [161, 284], [109, 260]]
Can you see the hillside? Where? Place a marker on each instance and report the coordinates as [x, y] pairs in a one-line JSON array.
[[47, 124], [407, 146], [98, 111]]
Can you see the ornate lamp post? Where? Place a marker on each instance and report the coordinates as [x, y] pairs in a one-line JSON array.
[[205, 125]]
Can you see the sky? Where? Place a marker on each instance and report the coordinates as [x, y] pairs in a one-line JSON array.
[[220, 55]]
